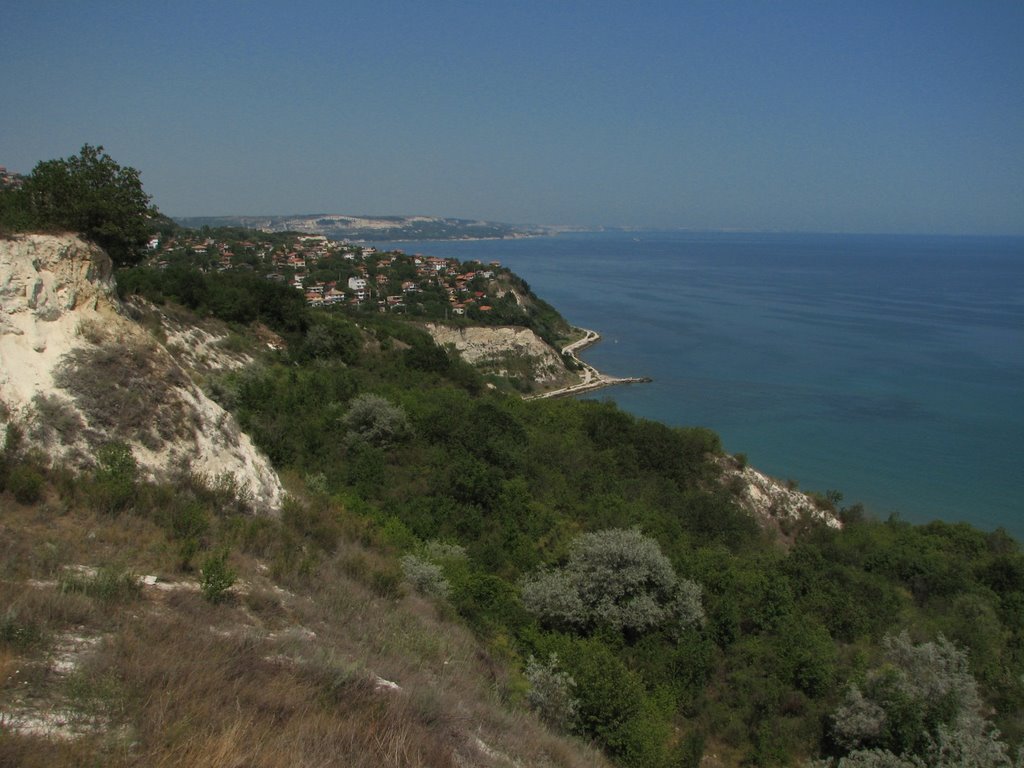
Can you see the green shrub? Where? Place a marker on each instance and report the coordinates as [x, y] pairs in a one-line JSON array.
[[387, 583], [189, 524], [115, 478], [551, 693], [26, 483], [426, 577], [216, 577]]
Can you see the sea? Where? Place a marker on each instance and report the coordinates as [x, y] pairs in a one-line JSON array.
[[889, 368]]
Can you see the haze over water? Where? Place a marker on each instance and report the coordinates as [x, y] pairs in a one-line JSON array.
[[890, 368]]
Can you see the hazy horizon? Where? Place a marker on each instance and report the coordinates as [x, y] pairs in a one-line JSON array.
[[873, 118]]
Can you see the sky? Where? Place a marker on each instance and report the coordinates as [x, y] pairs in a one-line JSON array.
[[856, 116]]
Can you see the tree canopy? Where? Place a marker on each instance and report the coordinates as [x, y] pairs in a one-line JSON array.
[[88, 193], [616, 578]]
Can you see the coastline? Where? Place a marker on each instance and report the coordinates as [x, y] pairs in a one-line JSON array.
[[593, 379]]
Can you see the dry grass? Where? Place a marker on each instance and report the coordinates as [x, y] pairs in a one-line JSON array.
[[273, 677], [128, 389]]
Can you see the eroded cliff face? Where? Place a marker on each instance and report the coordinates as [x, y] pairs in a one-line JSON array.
[[505, 351], [770, 501], [77, 372]]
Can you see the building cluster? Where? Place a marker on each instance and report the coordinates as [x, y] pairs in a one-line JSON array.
[[386, 281], [330, 272]]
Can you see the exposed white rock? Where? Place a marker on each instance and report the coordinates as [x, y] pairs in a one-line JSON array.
[[380, 684], [491, 348], [79, 372], [771, 500]]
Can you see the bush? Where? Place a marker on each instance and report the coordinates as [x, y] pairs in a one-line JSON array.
[[617, 579], [386, 583], [551, 693], [374, 420], [216, 577], [26, 483], [426, 577], [189, 523], [115, 478], [55, 414], [922, 705]]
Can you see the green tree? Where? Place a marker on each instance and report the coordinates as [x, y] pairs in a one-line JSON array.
[[114, 485], [91, 194], [216, 577]]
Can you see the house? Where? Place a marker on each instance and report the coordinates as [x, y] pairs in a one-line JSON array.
[[358, 286], [334, 296]]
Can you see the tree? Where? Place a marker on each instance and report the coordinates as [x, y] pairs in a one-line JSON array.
[[614, 578], [376, 421], [91, 194], [921, 708]]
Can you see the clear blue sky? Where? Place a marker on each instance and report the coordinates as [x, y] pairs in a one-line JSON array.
[[856, 116]]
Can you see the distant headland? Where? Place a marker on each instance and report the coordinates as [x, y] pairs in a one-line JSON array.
[[373, 228]]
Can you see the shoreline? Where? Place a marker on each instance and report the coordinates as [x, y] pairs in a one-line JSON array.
[[593, 379]]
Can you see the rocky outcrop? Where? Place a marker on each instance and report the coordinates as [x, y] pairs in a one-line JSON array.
[[77, 372], [507, 351], [771, 501]]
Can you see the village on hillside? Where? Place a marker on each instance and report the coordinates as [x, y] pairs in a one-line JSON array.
[[358, 277]]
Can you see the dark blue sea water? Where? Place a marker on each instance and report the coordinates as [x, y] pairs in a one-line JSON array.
[[890, 368]]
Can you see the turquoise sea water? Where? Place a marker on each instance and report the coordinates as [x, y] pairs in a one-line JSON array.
[[890, 368]]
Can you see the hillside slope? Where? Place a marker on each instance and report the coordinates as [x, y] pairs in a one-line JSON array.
[[176, 627]]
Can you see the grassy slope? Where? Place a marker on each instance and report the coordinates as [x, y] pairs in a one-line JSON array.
[[283, 672]]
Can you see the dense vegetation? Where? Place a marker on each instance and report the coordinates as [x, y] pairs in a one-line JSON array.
[[397, 432]]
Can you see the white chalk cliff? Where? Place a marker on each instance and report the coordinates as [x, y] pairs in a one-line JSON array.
[[77, 372], [489, 349]]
